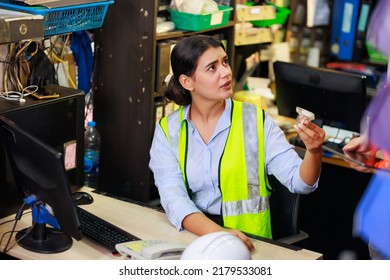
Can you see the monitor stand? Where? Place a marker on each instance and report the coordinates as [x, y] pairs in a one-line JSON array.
[[43, 239]]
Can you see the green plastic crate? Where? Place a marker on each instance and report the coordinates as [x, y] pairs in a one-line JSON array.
[[196, 22], [374, 55], [280, 18]]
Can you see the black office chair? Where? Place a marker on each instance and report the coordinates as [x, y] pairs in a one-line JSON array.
[[284, 207]]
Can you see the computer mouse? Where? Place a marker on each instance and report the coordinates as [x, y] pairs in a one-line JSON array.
[[82, 198]]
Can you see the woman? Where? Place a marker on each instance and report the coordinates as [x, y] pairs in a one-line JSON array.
[[209, 158]]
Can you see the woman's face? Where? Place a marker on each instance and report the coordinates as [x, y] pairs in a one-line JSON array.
[[212, 79]]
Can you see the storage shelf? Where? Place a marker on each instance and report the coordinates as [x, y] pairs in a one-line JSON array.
[[181, 33], [126, 93]]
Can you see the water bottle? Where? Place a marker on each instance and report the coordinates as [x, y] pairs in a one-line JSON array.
[[91, 155]]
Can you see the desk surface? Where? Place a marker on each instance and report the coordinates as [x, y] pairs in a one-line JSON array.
[[143, 222]]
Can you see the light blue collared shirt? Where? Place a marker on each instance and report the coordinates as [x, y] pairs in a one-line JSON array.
[[203, 160]]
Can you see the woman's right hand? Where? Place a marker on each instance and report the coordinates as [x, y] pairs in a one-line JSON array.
[[243, 237], [198, 223]]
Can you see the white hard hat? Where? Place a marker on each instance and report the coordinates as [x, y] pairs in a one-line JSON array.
[[220, 245]]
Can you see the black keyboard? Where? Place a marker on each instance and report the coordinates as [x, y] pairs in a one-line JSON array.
[[102, 231], [297, 141]]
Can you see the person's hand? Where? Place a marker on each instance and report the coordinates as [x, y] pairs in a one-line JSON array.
[[243, 237], [386, 164], [312, 135], [359, 145], [363, 158], [361, 150]]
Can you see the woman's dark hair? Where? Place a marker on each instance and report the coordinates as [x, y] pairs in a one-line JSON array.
[[184, 60]]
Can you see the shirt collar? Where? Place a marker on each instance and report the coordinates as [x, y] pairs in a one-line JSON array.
[[224, 120]]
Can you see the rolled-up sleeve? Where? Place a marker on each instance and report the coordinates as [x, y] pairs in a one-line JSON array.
[[282, 160]]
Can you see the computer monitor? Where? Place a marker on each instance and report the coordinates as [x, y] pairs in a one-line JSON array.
[[39, 173], [338, 99]]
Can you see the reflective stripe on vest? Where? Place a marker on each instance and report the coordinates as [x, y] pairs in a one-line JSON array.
[[245, 198]]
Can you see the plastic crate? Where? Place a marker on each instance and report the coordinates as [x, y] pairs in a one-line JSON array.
[[375, 55], [64, 19], [281, 17], [196, 22]]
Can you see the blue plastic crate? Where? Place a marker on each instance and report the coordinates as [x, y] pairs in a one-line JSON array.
[[64, 19]]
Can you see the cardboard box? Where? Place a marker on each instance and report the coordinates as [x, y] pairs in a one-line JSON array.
[[18, 26], [253, 35], [260, 12]]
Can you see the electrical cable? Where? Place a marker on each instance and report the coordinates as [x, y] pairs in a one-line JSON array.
[[335, 137], [4, 234], [8, 221], [56, 55], [17, 218], [66, 69], [19, 95], [28, 231], [16, 68], [12, 95]]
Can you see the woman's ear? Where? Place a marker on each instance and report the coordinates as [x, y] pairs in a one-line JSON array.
[[186, 82]]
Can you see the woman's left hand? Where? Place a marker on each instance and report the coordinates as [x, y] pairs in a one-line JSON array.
[[312, 135]]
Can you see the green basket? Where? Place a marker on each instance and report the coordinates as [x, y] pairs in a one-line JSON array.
[[281, 16], [376, 56], [196, 22]]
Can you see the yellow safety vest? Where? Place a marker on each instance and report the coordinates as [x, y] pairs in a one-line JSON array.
[[242, 180]]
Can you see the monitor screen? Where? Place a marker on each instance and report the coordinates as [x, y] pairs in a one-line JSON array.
[[338, 99], [40, 175]]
